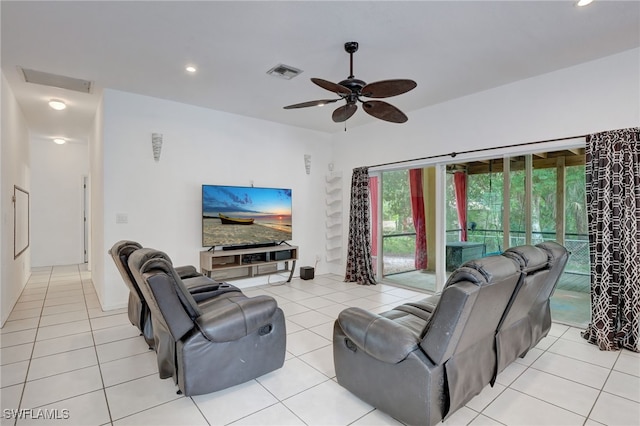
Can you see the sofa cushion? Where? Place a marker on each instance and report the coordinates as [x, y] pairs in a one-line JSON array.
[[380, 337], [232, 318]]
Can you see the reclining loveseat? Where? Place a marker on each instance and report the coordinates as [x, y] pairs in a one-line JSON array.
[[212, 344], [201, 287], [420, 362]]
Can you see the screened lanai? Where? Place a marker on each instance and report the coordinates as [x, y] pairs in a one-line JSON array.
[[489, 205]]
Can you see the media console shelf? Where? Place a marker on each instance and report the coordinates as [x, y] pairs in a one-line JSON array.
[[244, 263]]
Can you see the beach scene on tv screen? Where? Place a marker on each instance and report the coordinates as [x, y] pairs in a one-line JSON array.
[[233, 215]]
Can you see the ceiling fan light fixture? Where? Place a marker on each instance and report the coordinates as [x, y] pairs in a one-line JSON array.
[[352, 90], [57, 104], [286, 72]]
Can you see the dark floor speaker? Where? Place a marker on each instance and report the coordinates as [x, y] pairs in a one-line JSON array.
[[306, 272]]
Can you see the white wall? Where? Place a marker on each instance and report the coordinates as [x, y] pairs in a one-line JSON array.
[[591, 97], [57, 202], [96, 195], [162, 200], [15, 170], [595, 96]]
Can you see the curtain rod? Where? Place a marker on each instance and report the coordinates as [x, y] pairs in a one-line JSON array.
[[472, 151]]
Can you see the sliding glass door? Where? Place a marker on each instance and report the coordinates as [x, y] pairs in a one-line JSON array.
[[485, 207], [408, 227]]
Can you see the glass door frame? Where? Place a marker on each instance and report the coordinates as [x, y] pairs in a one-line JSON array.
[[440, 165]]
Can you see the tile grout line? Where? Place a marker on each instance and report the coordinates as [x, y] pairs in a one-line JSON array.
[[95, 348], [77, 369], [61, 373], [530, 366], [304, 328], [282, 401], [35, 338]]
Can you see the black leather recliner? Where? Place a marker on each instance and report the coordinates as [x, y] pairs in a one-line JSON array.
[[201, 287], [422, 361], [217, 343]]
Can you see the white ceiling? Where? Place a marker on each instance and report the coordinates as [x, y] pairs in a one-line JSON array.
[[450, 48]]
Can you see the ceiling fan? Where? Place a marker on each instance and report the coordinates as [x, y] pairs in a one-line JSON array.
[[352, 90]]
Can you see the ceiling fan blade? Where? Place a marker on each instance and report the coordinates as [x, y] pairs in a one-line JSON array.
[[387, 88], [344, 112], [332, 87], [384, 111], [320, 102]]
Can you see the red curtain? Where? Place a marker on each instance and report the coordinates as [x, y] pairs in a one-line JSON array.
[[417, 209], [460, 184], [373, 193]]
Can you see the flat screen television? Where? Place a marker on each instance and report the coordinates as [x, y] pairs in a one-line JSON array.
[[245, 216]]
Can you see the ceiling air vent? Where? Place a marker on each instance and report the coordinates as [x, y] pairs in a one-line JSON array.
[[61, 81], [284, 71]]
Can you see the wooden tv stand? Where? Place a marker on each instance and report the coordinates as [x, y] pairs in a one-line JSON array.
[[224, 265]]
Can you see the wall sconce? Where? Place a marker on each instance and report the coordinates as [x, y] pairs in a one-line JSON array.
[[156, 144], [307, 163]]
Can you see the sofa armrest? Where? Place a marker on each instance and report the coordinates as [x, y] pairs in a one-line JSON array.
[[378, 336], [236, 317], [199, 284], [428, 304], [187, 271], [203, 288]]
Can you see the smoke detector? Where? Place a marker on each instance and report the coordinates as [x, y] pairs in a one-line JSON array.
[[284, 71]]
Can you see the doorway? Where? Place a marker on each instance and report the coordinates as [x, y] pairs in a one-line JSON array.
[[408, 227]]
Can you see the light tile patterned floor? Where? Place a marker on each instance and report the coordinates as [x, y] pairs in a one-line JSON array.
[[59, 351]]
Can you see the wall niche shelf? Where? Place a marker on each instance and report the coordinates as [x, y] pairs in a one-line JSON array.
[[333, 217]]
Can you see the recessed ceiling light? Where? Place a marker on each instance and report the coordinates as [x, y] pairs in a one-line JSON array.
[[190, 69], [581, 3], [59, 141], [57, 104]]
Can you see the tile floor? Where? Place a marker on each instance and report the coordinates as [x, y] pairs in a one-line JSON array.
[[62, 354]]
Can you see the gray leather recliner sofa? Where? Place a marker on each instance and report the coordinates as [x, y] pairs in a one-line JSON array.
[[213, 344], [528, 317], [422, 361], [137, 308], [201, 287]]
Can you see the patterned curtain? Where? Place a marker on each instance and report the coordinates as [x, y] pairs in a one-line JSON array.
[[359, 268], [373, 192], [613, 211]]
